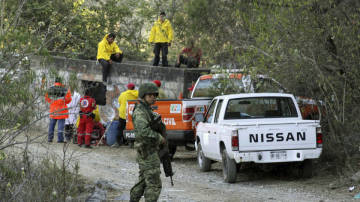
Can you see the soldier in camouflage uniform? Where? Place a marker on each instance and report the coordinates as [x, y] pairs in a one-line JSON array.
[[147, 142]]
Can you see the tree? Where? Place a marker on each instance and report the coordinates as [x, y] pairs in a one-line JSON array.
[[27, 29], [310, 46]]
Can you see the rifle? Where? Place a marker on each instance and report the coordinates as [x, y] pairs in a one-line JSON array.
[[157, 125]]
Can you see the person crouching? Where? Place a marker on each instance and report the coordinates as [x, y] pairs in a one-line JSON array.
[[86, 125]]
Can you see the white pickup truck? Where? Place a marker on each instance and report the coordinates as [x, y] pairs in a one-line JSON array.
[[259, 128]]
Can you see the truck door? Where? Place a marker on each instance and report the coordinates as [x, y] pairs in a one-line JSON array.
[[207, 128], [215, 130]]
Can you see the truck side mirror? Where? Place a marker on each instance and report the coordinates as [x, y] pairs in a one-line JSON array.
[[199, 117]]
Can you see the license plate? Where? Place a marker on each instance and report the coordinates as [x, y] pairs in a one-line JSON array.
[[278, 155], [130, 135]]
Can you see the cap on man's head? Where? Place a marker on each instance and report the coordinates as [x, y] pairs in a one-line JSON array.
[[58, 79], [162, 13], [130, 86], [158, 83], [112, 35]]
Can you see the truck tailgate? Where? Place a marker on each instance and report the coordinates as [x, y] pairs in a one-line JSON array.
[[277, 136], [170, 111]]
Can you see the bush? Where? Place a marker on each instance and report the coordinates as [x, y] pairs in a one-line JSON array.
[[21, 180]]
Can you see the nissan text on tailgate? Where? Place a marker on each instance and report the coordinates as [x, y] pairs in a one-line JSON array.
[[256, 127]]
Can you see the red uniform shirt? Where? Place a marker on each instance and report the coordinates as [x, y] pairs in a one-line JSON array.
[[192, 52], [87, 104]]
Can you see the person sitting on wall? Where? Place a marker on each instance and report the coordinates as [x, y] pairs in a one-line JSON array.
[[190, 56], [108, 51]]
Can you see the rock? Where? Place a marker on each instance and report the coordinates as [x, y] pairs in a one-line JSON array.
[[123, 197], [334, 185], [106, 185], [356, 177], [99, 195]]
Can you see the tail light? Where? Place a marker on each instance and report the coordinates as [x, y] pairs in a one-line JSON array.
[[234, 140], [126, 112], [319, 140], [188, 113]]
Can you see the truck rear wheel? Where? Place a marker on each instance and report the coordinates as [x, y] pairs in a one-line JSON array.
[[204, 163], [229, 167]]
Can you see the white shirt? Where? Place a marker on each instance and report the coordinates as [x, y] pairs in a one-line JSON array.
[[74, 108]]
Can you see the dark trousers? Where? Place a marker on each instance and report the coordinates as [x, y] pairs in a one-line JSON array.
[[163, 47], [121, 127], [190, 62], [69, 131], [106, 66]]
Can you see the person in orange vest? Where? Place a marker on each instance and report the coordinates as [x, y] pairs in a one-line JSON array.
[[86, 124], [58, 97]]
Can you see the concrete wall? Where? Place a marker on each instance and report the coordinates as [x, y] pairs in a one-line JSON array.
[[174, 80]]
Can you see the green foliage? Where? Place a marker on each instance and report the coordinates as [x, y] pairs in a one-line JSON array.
[[37, 182], [311, 47]]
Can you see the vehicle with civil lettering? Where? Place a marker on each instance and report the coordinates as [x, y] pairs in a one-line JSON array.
[[179, 114], [262, 128], [178, 117]]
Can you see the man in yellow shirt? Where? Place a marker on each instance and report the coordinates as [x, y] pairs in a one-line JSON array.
[[108, 51], [130, 94], [162, 35]]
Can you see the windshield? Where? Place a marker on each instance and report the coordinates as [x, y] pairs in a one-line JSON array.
[[260, 107], [218, 86], [213, 87]]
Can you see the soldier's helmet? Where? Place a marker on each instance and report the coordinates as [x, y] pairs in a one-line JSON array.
[[148, 88]]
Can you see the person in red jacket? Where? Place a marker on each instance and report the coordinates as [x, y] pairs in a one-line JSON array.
[[190, 56], [86, 125], [58, 97]]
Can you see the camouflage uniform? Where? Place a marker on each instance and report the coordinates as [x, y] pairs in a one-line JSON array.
[[147, 143]]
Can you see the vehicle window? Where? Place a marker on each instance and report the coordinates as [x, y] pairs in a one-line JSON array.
[[209, 115], [218, 111], [214, 87], [260, 107]]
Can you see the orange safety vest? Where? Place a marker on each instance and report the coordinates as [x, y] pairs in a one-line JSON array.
[[58, 107]]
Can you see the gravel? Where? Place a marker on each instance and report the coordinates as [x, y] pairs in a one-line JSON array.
[[115, 171]]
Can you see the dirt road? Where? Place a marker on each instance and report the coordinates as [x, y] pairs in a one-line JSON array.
[[118, 166]]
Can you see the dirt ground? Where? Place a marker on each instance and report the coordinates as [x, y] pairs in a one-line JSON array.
[[118, 166]]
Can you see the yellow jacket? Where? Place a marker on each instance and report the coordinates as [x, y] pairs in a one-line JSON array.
[[105, 50], [162, 94], [161, 32], [123, 98]]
